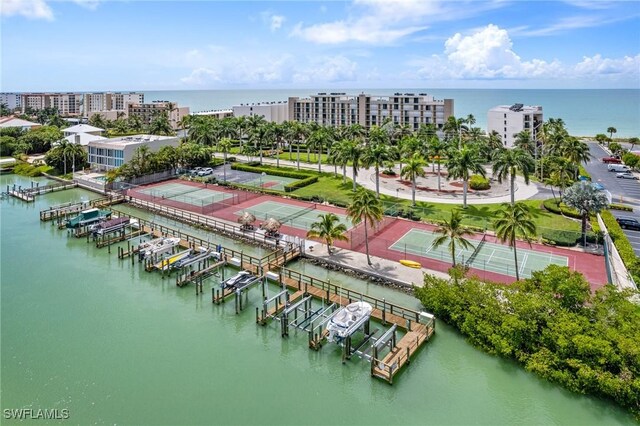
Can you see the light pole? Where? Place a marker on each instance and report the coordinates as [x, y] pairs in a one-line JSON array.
[[263, 174]]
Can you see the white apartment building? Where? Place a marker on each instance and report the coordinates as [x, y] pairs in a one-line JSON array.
[[68, 104], [108, 154], [11, 100], [509, 120], [338, 109], [146, 112], [218, 113], [276, 112], [109, 101]]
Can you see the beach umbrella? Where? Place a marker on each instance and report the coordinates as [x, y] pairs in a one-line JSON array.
[[271, 225], [246, 219]]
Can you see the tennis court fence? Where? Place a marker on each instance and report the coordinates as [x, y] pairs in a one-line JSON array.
[[357, 234], [617, 273]]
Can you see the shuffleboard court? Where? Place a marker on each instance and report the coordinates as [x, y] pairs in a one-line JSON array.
[[289, 215], [484, 255]]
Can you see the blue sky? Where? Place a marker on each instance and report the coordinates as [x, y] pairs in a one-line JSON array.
[[163, 45]]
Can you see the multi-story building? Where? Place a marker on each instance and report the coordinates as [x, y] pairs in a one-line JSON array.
[[108, 154], [337, 109], [218, 113], [110, 101], [275, 112], [509, 120], [147, 112], [68, 104], [11, 100]]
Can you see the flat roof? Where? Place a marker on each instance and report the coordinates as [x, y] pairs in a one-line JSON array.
[[131, 140]]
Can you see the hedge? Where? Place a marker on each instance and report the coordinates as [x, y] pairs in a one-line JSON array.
[[567, 238], [300, 183], [621, 242], [620, 207], [551, 204], [477, 182], [270, 171]]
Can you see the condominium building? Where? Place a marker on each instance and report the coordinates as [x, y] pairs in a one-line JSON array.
[[108, 154], [110, 101], [276, 112], [509, 120], [340, 109], [68, 104], [147, 112], [11, 100], [218, 113]]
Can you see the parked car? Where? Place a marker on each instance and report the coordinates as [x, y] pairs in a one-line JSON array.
[[628, 223], [618, 168], [597, 186], [194, 171], [205, 171], [612, 160], [626, 175]]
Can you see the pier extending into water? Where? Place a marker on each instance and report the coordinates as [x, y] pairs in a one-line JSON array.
[[29, 194]]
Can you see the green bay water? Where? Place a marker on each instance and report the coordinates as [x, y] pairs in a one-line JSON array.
[[112, 343]]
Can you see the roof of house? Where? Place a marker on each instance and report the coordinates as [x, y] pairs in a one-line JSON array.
[[85, 138], [82, 128], [16, 122]]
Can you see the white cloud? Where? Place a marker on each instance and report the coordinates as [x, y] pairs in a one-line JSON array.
[[272, 20], [88, 4], [32, 9], [201, 76], [488, 53], [327, 69]]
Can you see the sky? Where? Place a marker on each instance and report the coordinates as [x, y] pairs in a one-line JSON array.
[[85, 45]]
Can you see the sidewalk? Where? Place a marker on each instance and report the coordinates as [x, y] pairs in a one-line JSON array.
[[366, 178]]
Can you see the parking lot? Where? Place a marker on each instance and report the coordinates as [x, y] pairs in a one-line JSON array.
[[623, 191]]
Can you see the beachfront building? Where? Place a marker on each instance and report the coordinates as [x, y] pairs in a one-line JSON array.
[[146, 112], [82, 128], [509, 120], [275, 112], [217, 113], [108, 154], [67, 104], [83, 139], [112, 102], [11, 121], [11, 100], [340, 109]]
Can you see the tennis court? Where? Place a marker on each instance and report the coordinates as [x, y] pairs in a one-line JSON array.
[[270, 182], [196, 196], [484, 255], [290, 215]]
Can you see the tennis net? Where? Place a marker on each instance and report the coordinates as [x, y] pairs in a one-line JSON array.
[[177, 196], [297, 214]]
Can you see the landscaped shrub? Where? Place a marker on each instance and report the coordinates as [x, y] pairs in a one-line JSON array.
[[300, 183], [271, 171], [620, 207], [479, 183], [553, 206], [254, 163], [26, 169], [622, 243], [561, 238]]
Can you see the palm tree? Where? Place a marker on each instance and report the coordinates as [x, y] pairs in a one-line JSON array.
[[437, 149], [453, 232], [318, 139], [461, 165], [633, 141], [160, 124], [583, 197], [203, 131], [365, 206], [611, 131], [575, 151], [406, 147], [412, 170], [329, 229], [524, 141], [513, 221], [376, 154], [225, 146], [511, 161], [352, 151]]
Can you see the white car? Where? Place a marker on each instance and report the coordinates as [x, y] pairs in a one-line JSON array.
[[626, 175], [206, 171]]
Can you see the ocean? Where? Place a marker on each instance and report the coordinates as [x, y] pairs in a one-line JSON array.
[[585, 112]]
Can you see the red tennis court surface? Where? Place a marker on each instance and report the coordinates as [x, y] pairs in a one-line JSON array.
[[381, 238]]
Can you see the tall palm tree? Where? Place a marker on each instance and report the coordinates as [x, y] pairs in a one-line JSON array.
[[509, 162], [461, 165], [318, 139], [611, 131], [203, 131], [453, 232], [524, 141], [575, 151], [376, 154], [412, 170], [352, 152], [260, 136], [329, 229], [339, 156], [513, 221], [225, 146], [437, 149], [365, 207], [406, 147]]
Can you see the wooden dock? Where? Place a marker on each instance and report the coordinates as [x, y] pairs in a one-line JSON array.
[[28, 194], [199, 275]]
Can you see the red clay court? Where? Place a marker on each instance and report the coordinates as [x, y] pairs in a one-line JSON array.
[[393, 239]]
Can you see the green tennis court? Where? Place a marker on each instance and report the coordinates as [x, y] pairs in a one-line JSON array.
[[186, 193], [270, 182], [295, 216], [484, 255]]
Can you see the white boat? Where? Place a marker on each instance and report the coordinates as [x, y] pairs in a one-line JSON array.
[[169, 262], [160, 247], [347, 320], [238, 279]]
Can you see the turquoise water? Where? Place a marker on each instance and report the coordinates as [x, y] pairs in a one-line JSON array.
[[585, 112], [114, 344]]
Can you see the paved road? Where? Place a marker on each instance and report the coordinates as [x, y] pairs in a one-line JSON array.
[[624, 191]]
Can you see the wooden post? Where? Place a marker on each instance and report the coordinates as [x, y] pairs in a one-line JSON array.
[[384, 314]]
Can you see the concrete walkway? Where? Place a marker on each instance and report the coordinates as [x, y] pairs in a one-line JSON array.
[[366, 178]]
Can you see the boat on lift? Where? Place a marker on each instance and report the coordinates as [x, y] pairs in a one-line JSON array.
[[88, 217], [169, 262], [202, 254], [347, 320], [159, 247], [110, 225], [239, 280]]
